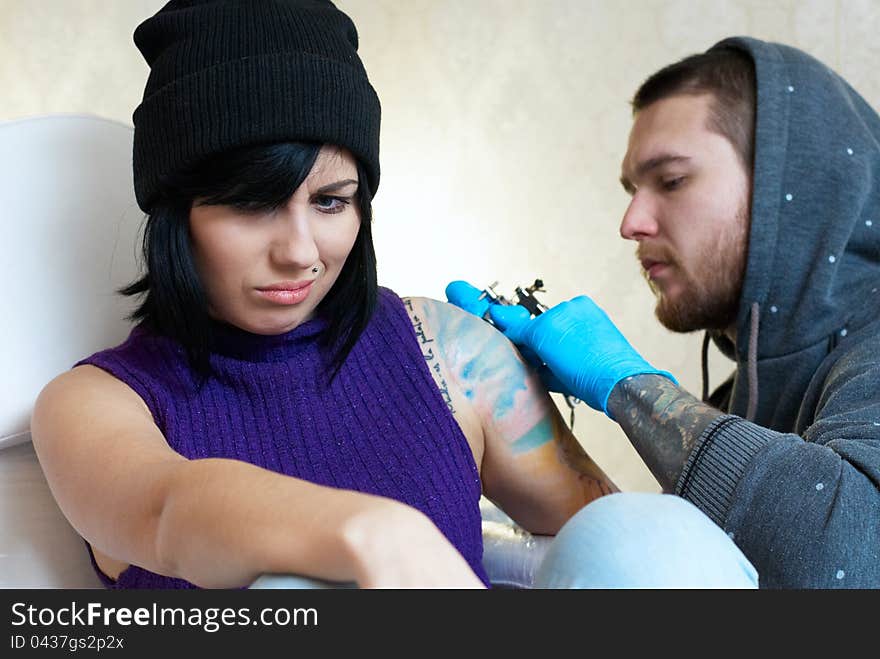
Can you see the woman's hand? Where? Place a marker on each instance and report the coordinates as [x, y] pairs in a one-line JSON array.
[[395, 546]]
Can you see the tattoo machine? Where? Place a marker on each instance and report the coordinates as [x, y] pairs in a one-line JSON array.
[[524, 297]]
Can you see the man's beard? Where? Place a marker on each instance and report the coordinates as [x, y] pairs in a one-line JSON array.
[[710, 295]]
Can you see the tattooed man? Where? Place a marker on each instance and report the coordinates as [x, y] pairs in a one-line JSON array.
[[755, 204]]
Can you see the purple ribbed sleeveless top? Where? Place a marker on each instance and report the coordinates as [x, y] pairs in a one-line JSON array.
[[382, 426]]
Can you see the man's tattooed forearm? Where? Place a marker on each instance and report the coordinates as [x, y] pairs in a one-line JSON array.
[[662, 421]]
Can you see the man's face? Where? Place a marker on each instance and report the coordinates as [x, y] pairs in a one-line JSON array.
[[689, 213]]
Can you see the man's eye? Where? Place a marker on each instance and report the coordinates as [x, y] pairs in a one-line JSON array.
[[328, 204], [673, 183]]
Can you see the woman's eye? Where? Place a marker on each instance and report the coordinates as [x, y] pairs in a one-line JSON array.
[[251, 207], [328, 204]]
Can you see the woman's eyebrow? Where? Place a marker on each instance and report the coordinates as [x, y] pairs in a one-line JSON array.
[[335, 187]]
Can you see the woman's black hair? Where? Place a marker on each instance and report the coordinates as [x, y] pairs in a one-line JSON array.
[[256, 178]]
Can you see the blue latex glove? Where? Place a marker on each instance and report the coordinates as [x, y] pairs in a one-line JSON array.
[[578, 343], [467, 297]]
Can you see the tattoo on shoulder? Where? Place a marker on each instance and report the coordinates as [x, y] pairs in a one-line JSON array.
[[428, 346]]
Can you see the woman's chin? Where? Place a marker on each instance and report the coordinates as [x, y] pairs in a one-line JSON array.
[[280, 325]]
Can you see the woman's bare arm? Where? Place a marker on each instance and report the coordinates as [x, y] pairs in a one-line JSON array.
[[532, 467], [216, 522]]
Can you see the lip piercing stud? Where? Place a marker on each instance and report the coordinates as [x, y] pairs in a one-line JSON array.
[[315, 269]]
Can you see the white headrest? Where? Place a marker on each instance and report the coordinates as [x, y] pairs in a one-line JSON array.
[[71, 229]]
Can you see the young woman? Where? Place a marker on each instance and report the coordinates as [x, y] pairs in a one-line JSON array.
[[274, 410]]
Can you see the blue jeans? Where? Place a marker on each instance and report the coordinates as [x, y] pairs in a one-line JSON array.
[[628, 540], [638, 540]]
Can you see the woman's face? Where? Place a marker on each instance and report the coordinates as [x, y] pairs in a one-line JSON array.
[[259, 268]]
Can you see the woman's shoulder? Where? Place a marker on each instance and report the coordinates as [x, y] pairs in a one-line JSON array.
[[387, 298], [391, 307], [85, 391], [455, 337], [142, 350], [444, 319], [108, 379], [146, 363]]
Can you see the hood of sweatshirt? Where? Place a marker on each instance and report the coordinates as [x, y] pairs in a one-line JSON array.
[[813, 268]]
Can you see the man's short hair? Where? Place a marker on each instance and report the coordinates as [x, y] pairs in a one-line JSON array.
[[729, 75]]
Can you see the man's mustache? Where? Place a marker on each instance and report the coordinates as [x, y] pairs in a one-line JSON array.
[[654, 254]]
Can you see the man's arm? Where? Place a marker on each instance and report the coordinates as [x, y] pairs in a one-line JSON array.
[[804, 509], [663, 422], [533, 467]]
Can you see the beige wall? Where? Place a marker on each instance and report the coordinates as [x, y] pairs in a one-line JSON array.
[[504, 122]]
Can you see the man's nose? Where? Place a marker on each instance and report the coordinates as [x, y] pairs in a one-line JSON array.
[[640, 219]]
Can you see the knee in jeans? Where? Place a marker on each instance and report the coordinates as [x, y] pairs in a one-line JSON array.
[[644, 540], [637, 521], [638, 509]]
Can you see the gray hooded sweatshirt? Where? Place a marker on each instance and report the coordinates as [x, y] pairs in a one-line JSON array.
[[797, 485]]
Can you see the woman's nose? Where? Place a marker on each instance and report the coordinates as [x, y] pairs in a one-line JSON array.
[[294, 243]]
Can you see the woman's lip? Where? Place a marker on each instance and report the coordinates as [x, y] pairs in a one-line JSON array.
[[286, 296], [287, 285]]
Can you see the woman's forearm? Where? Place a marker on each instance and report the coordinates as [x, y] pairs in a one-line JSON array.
[[224, 522]]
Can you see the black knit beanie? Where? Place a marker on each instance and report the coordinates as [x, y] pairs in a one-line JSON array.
[[233, 73]]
